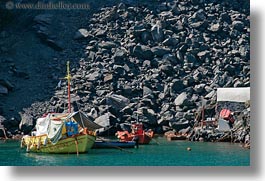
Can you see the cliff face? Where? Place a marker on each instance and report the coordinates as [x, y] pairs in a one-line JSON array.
[[159, 60]]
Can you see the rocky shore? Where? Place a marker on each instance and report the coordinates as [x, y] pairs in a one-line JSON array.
[[153, 62]]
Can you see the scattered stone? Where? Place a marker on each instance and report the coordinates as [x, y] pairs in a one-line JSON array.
[[182, 100], [162, 59], [170, 41], [119, 56], [160, 51], [157, 32], [215, 27], [3, 90], [81, 34], [143, 52], [26, 123], [118, 102], [107, 45], [108, 77], [238, 25]]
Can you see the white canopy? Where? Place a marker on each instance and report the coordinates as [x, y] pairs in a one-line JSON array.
[[241, 94], [43, 125]]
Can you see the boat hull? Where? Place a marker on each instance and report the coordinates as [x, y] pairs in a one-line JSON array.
[[144, 138], [79, 143], [176, 137], [113, 144]]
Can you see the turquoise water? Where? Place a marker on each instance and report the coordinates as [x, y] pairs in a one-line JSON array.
[[159, 153]]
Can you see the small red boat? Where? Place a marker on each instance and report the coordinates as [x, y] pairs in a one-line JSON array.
[[137, 134]]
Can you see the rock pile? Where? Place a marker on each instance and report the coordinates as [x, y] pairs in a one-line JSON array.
[[158, 63]]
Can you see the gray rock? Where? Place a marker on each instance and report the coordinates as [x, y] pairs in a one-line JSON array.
[[176, 86], [118, 102], [215, 27], [177, 126], [160, 51], [171, 41], [199, 24], [3, 90], [203, 54], [150, 116], [167, 69], [104, 120], [238, 25], [147, 91], [81, 33], [108, 77], [179, 56], [107, 45], [119, 56], [27, 123], [100, 33], [119, 70], [157, 32], [199, 88], [147, 63], [195, 2], [197, 16], [182, 100], [126, 127], [93, 76], [178, 116], [143, 52], [238, 83], [166, 117], [138, 30], [225, 17], [146, 36], [211, 95], [2, 128], [2, 120], [171, 58], [190, 58]]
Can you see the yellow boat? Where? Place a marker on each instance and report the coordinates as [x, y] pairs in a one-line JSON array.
[[62, 132], [54, 135], [67, 145]]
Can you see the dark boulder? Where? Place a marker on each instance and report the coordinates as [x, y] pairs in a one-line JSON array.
[[238, 25], [157, 32], [27, 123], [143, 52], [107, 45], [3, 90], [176, 86], [81, 34], [171, 41], [183, 100], [160, 51], [167, 69], [118, 102], [119, 56], [177, 126]]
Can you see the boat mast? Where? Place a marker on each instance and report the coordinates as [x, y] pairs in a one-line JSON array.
[[68, 77]]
